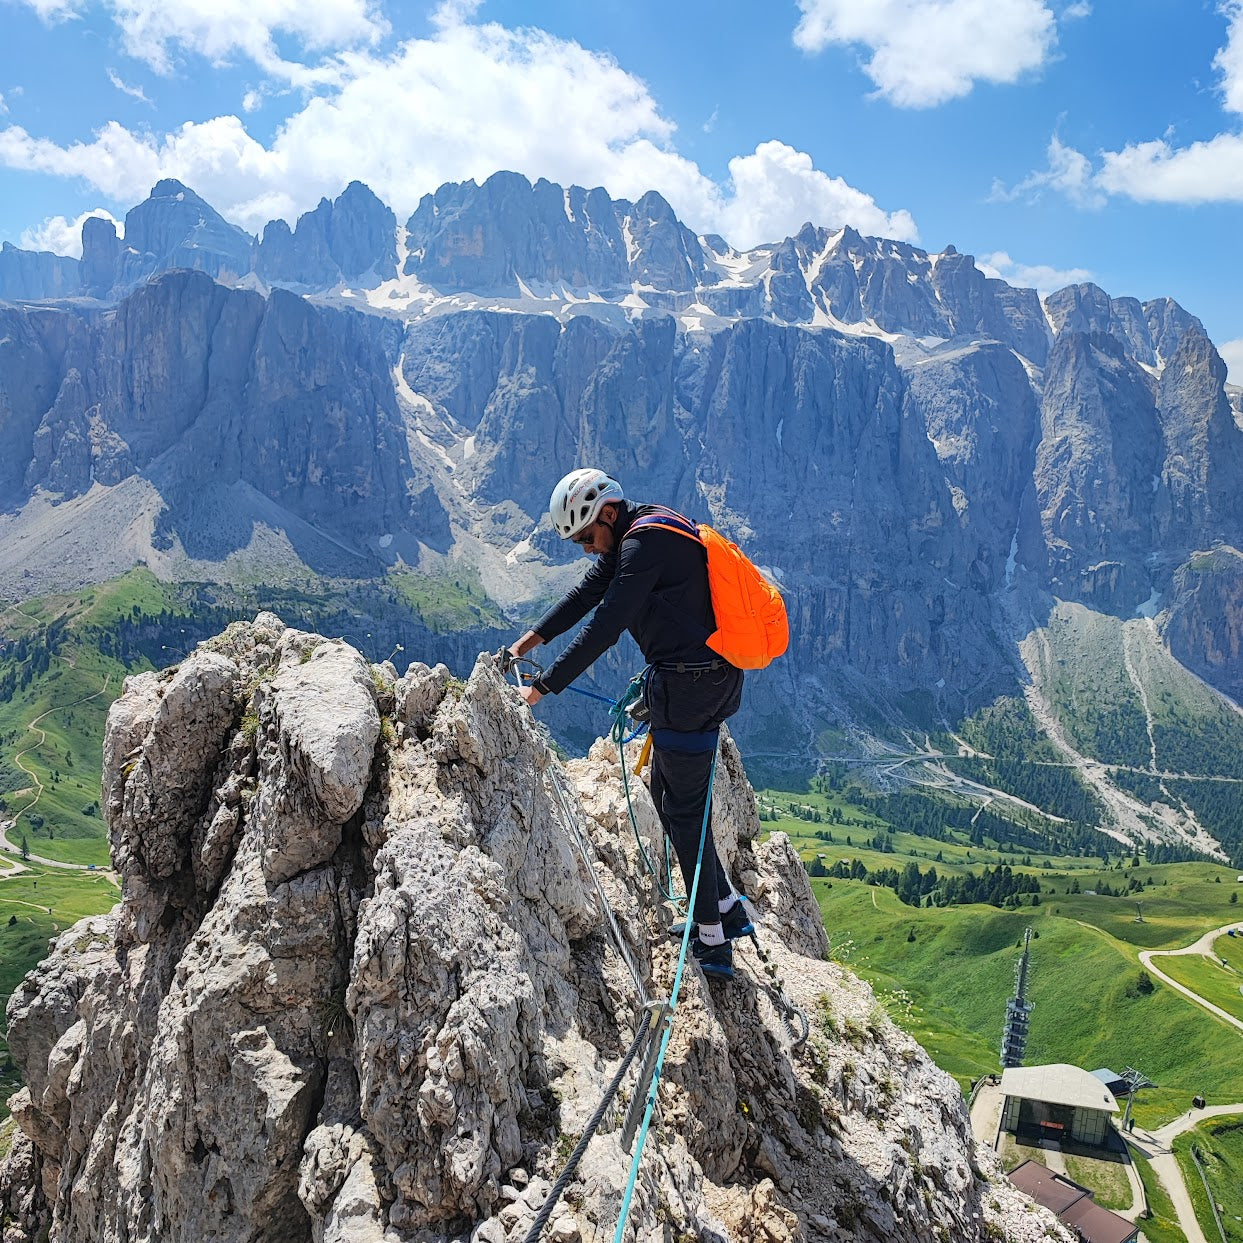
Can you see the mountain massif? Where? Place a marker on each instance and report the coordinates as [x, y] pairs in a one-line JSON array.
[[926, 458]]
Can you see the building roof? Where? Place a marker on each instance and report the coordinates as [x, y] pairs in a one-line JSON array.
[[1098, 1225], [1072, 1204], [1114, 1082], [1058, 1084], [1052, 1190]]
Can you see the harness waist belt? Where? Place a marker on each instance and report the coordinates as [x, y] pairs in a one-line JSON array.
[[680, 666], [682, 740]]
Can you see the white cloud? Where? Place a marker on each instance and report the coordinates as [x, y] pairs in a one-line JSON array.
[[1081, 8], [467, 101], [64, 237], [1232, 355], [1229, 59], [252, 101], [454, 12], [52, 11], [1069, 172], [1156, 172], [777, 188], [3, 106], [152, 30], [1210, 171], [1039, 276], [925, 52], [134, 92], [216, 157]]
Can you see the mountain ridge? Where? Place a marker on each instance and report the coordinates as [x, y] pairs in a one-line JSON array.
[[939, 444]]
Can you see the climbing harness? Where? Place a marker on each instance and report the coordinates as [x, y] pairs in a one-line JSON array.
[[633, 703]]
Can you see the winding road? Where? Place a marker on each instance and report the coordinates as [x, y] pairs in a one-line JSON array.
[[1157, 1145], [6, 825], [1203, 947]]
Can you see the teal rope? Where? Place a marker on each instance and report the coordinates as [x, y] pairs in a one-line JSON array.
[[668, 1021], [667, 890], [618, 734]]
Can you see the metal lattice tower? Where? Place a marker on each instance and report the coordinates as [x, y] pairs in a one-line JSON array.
[[1134, 1079], [1018, 1012]]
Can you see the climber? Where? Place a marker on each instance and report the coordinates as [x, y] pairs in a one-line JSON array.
[[654, 583]]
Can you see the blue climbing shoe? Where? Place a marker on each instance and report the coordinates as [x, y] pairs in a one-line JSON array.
[[714, 959], [737, 921]]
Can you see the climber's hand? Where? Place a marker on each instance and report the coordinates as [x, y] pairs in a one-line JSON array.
[[530, 694], [528, 642]]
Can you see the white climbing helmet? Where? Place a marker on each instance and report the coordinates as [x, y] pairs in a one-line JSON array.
[[578, 499]]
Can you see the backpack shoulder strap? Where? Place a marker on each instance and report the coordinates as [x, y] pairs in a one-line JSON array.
[[666, 520]]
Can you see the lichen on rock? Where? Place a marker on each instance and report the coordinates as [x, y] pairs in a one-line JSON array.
[[360, 986]]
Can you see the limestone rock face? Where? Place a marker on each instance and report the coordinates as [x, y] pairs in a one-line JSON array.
[[361, 987], [353, 237], [507, 230], [1204, 626], [36, 274], [1100, 452], [931, 434]]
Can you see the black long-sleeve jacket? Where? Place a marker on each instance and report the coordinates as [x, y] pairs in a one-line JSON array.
[[654, 583]]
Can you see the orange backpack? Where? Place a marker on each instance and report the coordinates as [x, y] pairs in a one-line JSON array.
[[752, 629]]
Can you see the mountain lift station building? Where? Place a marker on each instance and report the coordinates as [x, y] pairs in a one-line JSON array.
[[1056, 1102]]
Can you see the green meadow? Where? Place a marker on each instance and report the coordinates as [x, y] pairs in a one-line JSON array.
[[1222, 985], [448, 600], [946, 973], [36, 905], [1218, 1142], [63, 665]]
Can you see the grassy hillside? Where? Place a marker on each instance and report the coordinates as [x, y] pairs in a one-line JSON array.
[[36, 904], [63, 660], [1123, 699], [1215, 982], [1218, 1142], [61, 665], [447, 601], [1086, 680], [951, 971], [945, 973]]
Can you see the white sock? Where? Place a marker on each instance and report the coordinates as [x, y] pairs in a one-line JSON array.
[[712, 934], [725, 903]]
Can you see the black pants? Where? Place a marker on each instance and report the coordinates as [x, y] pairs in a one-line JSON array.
[[693, 704]]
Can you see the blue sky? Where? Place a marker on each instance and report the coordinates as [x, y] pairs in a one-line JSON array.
[[1055, 140]]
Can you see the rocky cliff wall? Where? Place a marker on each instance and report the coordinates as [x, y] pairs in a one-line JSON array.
[[359, 987], [36, 274], [896, 436], [198, 387]]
